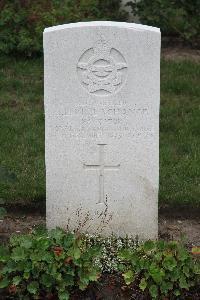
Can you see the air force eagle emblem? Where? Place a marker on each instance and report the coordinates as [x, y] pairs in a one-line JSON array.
[[102, 69]]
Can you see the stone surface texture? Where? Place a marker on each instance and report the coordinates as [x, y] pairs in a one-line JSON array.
[[102, 95]]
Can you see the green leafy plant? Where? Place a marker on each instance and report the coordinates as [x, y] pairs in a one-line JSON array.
[[44, 264], [175, 17], [22, 21], [161, 268]]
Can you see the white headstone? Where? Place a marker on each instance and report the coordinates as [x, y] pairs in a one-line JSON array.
[[102, 93]]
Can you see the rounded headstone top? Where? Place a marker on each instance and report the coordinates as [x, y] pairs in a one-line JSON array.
[[126, 25]]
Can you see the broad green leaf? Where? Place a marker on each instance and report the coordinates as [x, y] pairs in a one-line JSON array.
[[140, 263], [174, 274], [128, 276], [121, 267], [44, 243], [61, 287], [177, 293], [18, 254], [148, 246], [93, 276], [169, 262], [36, 257], [125, 254], [161, 245], [76, 253], [165, 287], [186, 271], [182, 254], [58, 276], [172, 245], [4, 283], [158, 256], [69, 271], [41, 230], [57, 234], [82, 285], [17, 280], [27, 267], [47, 280], [153, 291], [196, 268], [27, 243], [143, 284], [69, 280], [63, 296], [26, 275], [156, 273], [47, 256], [183, 283], [15, 240], [68, 240], [9, 267], [33, 287], [95, 251]]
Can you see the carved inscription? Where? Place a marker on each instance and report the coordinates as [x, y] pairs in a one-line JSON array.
[[101, 167], [102, 69], [99, 121]]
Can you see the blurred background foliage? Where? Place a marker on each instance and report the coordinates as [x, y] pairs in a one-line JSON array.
[[175, 18], [23, 21]]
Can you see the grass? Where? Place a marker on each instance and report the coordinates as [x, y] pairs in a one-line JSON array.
[[22, 168], [180, 134], [22, 130]]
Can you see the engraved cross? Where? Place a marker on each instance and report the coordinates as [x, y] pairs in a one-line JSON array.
[[101, 166]]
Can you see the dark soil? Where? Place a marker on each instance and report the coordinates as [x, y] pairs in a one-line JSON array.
[[112, 287], [181, 53], [185, 229]]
